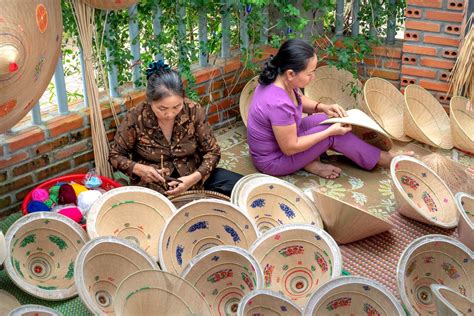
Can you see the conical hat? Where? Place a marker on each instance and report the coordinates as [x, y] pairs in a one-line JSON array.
[[433, 259], [462, 123], [421, 194], [385, 104], [223, 275], [7, 302], [465, 204], [36, 310], [246, 98], [272, 202], [331, 85], [353, 295], [200, 225], [42, 248], [424, 118], [346, 222], [3, 248], [110, 4], [296, 259], [449, 302], [104, 259], [265, 302], [134, 213], [365, 128], [153, 292], [192, 195], [30, 43]]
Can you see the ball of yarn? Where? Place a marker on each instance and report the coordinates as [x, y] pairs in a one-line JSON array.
[[39, 195], [86, 199], [36, 206], [72, 212], [67, 195], [78, 188], [54, 193], [49, 203]]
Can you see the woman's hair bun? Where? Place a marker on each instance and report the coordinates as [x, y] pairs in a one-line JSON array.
[[269, 72], [156, 67]]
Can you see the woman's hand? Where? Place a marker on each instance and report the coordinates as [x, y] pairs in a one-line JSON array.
[[332, 110], [148, 173], [177, 187], [339, 129]]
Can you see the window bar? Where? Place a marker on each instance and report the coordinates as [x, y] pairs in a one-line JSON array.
[[134, 44], [225, 50], [157, 28], [112, 72], [391, 24], [355, 17], [339, 18], [60, 86], [244, 34], [36, 114], [203, 54], [181, 11], [83, 75]]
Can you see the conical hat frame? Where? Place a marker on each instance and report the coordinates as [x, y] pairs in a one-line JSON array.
[[455, 268], [449, 302], [30, 41], [331, 85], [3, 248], [300, 256], [199, 225], [345, 222], [355, 288], [220, 264], [261, 302], [143, 228], [365, 128], [284, 203], [246, 98], [424, 118], [385, 104], [36, 310], [113, 258], [110, 5], [432, 202], [234, 196], [34, 232], [192, 195], [465, 205], [8, 302], [154, 292], [462, 123]]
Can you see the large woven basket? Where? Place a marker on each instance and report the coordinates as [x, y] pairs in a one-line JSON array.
[[353, 295], [110, 5], [34, 310], [346, 222], [433, 259], [331, 85], [8, 302], [462, 123], [246, 98], [200, 225], [272, 202], [265, 302], [224, 274], [424, 118], [385, 104], [42, 248], [193, 195], [134, 213], [449, 302], [421, 194], [153, 292], [104, 259], [465, 204], [296, 259]]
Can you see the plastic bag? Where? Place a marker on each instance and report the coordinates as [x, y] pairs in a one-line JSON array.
[[92, 180]]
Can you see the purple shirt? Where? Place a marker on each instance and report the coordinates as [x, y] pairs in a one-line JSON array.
[[270, 106]]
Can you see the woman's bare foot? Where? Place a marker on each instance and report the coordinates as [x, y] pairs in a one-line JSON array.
[[387, 156], [323, 170]]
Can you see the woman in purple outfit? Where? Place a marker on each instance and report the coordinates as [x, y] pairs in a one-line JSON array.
[[280, 140]]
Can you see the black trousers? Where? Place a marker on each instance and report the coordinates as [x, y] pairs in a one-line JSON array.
[[222, 181]]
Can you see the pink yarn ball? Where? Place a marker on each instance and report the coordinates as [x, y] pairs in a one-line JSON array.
[[72, 212], [39, 195]]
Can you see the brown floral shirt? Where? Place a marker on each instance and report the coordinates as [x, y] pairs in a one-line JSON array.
[[139, 139]]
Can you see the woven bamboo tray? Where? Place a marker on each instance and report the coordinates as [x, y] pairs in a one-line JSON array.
[[246, 98], [265, 302], [34, 310], [465, 204], [193, 195], [449, 302], [462, 123], [8, 302]]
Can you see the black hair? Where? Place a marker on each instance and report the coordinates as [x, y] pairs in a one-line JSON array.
[[293, 54], [162, 82]]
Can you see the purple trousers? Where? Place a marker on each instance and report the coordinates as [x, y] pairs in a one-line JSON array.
[[351, 146]]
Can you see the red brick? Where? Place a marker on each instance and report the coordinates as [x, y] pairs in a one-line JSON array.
[[456, 5], [418, 72], [216, 85], [201, 89], [444, 16], [440, 40], [134, 98], [212, 119], [53, 170], [221, 105], [387, 74], [106, 110], [405, 81], [64, 124], [5, 202], [450, 53], [20, 195], [1, 150], [413, 13], [13, 160], [412, 36], [31, 165], [409, 59], [26, 138], [444, 75], [422, 50], [232, 65], [436, 63], [422, 26], [64, 140], [3, 176], [86, 157], [70, 151], [433, 85], [81, 169], [443, 97], [16, 184], [392, 64], [393, 52], [206, 74], [452, 29], [376, 62], [426, 3]]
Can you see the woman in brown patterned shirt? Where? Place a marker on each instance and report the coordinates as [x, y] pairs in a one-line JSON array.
[[166, 143]]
